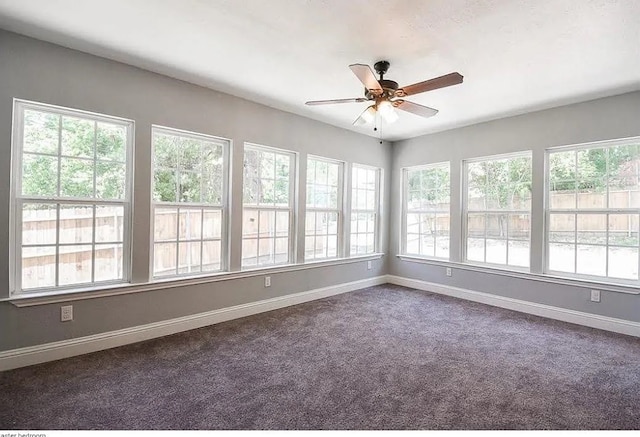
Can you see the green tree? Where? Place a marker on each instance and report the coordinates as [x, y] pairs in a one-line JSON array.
[[87, 148]]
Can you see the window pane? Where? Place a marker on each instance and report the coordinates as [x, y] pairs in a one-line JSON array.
[[75, 264], [39, 175], [442, 246], [623, 229], [282, 250], [562, 257], [282, 223], [110, 180], [623, 262], [496, 251], [189, 257], [428, 245], [250, 223], [591, 260], [519, 253], [76, 224], [38, 267], [212, 225], [190, 224], [211, 256], [265, 251], [108, 262], [190, 186], [166, 149], [475, 249], [39, 223], [267, 224], [249, 252], [476, 225], [41, 132], [165, 188], [332, 246], [165, 225], [592, 193], [562, 195], [309, 247], [111, 140], [592, 228], [519, 226], [562, 227], [212, 175], [78, 137], [76, 178], [190, 155]]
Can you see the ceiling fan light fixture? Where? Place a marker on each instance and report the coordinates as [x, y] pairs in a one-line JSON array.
[[387, 111], [367, 117]]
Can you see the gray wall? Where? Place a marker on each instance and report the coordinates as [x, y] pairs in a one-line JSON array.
[[603, 119], [42, 72]]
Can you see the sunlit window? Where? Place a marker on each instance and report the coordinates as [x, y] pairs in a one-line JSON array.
[[365, 209], [268, 206], [426, 210], [324, 209], [593, 210], [498, 210], [189, 186], [72, 197]]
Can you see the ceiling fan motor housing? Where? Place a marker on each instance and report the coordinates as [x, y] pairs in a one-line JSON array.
[[389, 88]]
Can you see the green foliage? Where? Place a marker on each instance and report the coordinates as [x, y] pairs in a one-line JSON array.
[[592, 169], [428, 187], [501, 184], [266, 178], [187, 170], [85, 146]]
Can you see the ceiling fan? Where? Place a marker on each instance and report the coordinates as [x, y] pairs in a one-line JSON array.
[[386, 95]]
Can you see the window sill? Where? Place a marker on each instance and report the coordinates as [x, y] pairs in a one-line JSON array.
[[45, 298], [521, 274]]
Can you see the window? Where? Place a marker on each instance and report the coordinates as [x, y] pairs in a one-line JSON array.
[[324, 209], [365, 205], [426, 210], [72, 197], [593, 202], [268, 206], [498, 210], [189, 198]]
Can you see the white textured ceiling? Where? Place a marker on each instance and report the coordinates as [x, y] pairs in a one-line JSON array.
[[516, 55]]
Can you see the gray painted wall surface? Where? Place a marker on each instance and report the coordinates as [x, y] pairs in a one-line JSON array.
[[602, 119], [42, 72]]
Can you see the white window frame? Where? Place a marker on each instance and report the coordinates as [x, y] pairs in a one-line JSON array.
[[376, 211], [405, 209], [339, 209], [578, 211], [196, 206], [291, 208], [17, 199], [466, 212]]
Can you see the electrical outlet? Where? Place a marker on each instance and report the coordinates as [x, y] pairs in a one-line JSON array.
[[66, 313], [368, 265], [267, 281], [448, 271], [595, 295]]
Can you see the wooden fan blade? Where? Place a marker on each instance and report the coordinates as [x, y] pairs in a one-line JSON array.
[[330, 102], [430, 85], [364, 73], [414, 108]]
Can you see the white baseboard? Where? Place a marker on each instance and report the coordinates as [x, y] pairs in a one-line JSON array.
[[577, 317], [68, 348]]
